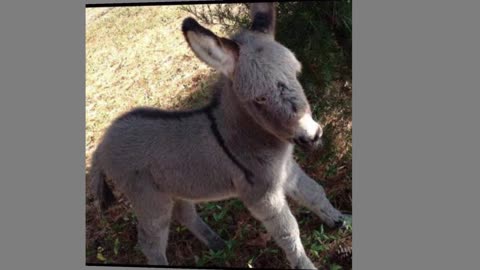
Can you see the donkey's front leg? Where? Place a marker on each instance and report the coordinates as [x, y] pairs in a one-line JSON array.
[[310, 194], [273, 211]]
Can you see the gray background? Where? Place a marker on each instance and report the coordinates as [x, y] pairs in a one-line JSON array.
[[415, 119]]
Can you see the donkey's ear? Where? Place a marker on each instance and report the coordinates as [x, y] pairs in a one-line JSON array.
[[219, 53], [263, 18]]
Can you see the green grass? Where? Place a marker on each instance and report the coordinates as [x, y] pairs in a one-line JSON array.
[[137, 56]]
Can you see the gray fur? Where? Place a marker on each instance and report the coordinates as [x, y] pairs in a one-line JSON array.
[[165, 162]]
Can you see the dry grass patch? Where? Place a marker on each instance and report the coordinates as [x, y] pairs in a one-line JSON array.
[[136, 56]]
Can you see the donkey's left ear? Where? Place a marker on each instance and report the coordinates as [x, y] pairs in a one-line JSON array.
[[219, 53]]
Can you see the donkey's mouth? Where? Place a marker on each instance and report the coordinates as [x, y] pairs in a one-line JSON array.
[[307, 146]]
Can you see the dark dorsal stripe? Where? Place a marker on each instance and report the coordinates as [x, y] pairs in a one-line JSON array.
[[152, 113]]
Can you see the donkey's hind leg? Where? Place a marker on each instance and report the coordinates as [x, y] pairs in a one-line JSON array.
[[152, 231], [185, 213], [153, 210]]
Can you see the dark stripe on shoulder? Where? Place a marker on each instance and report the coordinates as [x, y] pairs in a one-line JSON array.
[[221, 142]]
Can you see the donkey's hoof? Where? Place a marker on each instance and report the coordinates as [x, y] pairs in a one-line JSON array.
[[340, 224], [217, 245], [344, 221], [305, 263]]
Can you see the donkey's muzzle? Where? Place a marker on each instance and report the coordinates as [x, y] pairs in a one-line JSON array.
[[310, 143]]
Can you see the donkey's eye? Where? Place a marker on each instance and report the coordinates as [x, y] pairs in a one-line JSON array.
[[281, 85]]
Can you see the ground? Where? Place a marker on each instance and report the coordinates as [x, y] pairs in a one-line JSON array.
[[137, 56]]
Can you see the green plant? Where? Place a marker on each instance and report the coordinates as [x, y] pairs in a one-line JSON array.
[[211, 257], [229, 16], [335, 267]]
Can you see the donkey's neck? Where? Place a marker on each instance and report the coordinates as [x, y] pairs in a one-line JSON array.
[[240, 130]]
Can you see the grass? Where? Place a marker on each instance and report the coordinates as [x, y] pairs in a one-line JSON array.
[[137, 56]]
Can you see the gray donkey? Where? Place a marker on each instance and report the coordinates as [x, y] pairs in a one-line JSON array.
[[238, 146]]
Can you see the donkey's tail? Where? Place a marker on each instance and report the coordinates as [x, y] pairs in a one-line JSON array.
[[101, 191]]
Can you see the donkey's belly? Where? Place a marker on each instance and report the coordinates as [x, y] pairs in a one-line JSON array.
[[196, 180], [208, 196], [197, 188]]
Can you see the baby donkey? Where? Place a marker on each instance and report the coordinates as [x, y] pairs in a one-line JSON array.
[[238, 146]]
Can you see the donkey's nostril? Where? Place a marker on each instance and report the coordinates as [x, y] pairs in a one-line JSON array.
[[318, 134], [303, 140]]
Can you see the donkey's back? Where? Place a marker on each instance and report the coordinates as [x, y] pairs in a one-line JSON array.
[[172, 151]]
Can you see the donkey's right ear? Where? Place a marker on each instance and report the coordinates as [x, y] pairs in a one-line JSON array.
[[263, 18], [219, 53]]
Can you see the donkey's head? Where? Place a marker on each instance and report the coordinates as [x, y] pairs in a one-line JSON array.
[[263, 74]]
